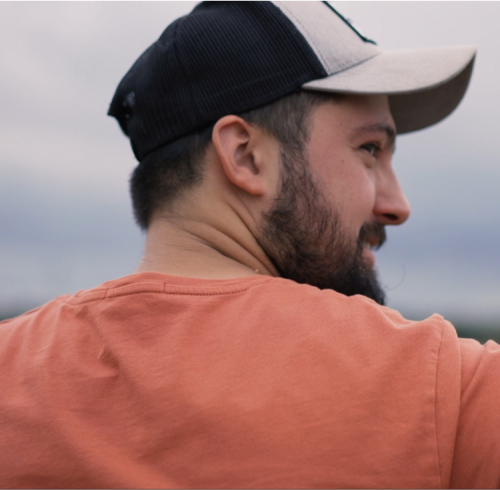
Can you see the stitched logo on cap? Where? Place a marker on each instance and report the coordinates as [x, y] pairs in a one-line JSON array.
[[349, 23]]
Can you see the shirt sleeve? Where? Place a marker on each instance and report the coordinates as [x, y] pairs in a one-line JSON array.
[[476, 458]]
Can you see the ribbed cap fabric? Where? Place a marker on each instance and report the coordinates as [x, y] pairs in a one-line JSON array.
[[224, 57]]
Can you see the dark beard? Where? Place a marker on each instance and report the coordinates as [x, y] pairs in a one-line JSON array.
[[302, 236]]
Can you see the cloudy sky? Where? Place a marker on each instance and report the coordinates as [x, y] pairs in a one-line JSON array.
[[65, 217]]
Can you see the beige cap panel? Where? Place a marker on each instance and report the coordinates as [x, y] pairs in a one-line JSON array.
[[336, 44]]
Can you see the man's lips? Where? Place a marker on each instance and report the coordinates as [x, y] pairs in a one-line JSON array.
[[368, 255], [371, 242], [372, 236]]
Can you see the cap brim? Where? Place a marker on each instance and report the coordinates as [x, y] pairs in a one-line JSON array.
[[424, 86]]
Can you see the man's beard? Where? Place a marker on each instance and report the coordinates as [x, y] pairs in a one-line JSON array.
[[303, 237]]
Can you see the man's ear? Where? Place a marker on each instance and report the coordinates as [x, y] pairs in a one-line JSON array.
[[241, 149]]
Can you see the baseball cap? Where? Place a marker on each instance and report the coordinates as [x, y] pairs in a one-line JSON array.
[[230, 57]]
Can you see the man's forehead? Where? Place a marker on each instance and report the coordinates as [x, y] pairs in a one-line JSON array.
[[362, 114]]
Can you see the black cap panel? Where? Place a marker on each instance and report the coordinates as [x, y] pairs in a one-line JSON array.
[[222, 58]]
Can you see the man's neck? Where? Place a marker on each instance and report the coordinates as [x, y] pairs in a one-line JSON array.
[[194, 249]]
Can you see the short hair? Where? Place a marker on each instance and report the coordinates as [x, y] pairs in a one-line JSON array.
[[164, 173]]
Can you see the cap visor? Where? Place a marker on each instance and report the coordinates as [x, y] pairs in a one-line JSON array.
[[424, 85]]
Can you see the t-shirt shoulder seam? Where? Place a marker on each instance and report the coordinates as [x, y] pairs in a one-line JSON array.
[[211, 291], [435, 404]]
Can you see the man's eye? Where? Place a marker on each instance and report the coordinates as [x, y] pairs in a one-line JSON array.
[[371, 148]]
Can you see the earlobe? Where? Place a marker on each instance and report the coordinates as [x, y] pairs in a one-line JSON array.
[[236, 144]]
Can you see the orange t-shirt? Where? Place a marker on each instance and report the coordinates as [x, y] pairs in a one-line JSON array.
[[161, 381]]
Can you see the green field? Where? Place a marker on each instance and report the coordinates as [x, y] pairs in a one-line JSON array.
[[483, 334]]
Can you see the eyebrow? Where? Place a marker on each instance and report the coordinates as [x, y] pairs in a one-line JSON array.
[[379, 128]]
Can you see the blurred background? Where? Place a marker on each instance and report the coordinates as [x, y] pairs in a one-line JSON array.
[[65, 216]]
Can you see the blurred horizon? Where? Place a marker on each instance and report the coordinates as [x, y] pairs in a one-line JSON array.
[[66, 221]]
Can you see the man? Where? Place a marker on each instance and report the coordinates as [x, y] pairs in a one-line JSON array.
[[252, 348]]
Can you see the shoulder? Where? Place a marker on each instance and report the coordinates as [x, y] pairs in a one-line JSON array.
[[477, 451], [327, 308], [28, 320]]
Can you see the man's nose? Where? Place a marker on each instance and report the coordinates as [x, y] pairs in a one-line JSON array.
[[391, 205]]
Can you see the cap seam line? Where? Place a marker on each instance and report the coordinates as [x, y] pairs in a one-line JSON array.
[[345, 68], [308, 40]]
